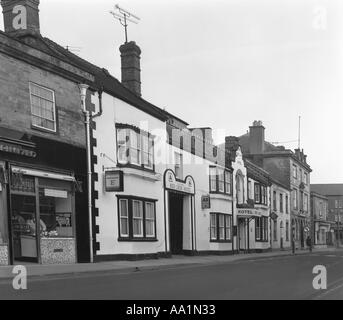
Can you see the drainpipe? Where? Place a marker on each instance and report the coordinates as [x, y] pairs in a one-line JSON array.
[[83, 92]]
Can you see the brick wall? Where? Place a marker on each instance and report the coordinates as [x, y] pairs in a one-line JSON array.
[[15, 109]]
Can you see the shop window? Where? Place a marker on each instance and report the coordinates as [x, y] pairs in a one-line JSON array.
[[220, 180], [261, 229], [220, 227], [137, 219], [43, 110], [135, 147]]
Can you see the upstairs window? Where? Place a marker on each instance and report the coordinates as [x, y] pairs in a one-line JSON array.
[[135, 148], [286, 204], [43, 109], [260, 194], [295, 172], [220, 180], [274, 201], [281, 202], [178, 165]]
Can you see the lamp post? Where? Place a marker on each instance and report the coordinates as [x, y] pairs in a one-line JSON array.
[[83, 92]]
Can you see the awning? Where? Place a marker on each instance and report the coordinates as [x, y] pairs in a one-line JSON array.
[[43, 174]]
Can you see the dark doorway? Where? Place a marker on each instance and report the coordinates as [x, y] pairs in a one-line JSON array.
[[176, 222]]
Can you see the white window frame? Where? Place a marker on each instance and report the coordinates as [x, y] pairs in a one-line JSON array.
[[153, 219], [141, 219], [123, 235], [213, 219], [39, 116]]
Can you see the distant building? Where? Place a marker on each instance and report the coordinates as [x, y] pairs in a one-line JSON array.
[[288, 167], [321, 226], [334, 194]]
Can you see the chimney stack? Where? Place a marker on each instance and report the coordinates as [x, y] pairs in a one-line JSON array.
[[21, 16], [130, 67], [256, 139]]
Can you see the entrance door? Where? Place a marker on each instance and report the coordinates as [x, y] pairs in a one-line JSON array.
[[176, 222], [242, 234], [24, 226]]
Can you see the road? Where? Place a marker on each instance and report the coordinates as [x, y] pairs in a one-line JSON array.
[[267, 278]]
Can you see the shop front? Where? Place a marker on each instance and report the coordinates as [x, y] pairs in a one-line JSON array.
[[39, 193], [42, 216]]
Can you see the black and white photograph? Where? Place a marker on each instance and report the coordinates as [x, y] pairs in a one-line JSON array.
[[171, 154]]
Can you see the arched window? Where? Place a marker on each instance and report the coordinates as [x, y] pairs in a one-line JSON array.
[[240, 187]]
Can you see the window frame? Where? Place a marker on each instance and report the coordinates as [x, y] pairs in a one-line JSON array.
[[227, 218], [226, 173], [141, 135], [263, 194], [131, 236], [281, 202], [38, 127], [262, 235]]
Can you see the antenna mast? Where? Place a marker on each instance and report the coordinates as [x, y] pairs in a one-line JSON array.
[[299, 133], [124, 17]]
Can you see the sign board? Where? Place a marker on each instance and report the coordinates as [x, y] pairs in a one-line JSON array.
[[171, 183], [17, 149], [56, 193], [206, 202], [114, 181], [248, 213]]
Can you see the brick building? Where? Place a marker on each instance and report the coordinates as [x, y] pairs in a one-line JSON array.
[[42, 145]]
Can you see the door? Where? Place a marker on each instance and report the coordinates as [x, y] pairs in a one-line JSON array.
[[24, 228], [176, 222]]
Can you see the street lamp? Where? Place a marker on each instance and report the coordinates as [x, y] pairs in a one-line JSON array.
[[83, 92]]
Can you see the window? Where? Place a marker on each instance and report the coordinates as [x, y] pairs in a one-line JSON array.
[[305, 202], [178, 165], [274, 200], [301, 175], [305, 178], [257, 193], [261, 229], [220, 180], [295, 172], [124, 217], [43, 110], [135, 148], [275, 230], [281, 202], [137, 219], [221, 227], [250, 196], [287, 204], [287, 231], [295, 198], [260, 194]]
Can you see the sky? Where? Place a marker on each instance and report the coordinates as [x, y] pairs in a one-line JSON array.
[[223, 64]]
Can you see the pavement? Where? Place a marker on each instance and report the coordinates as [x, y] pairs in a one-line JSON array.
[[257, 276], [37, 270]]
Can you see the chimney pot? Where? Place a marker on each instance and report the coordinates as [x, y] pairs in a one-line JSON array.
[[130, 67]]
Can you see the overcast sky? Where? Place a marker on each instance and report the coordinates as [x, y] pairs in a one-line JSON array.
[[227, 63]]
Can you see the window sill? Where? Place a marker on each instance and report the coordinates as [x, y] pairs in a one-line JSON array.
[[137, 239]]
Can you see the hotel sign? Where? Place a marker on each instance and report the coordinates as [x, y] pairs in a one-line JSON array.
[[171, 183], [248, 213], [16, 149]]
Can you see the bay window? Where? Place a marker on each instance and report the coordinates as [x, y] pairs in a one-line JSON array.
[[220, 180], [135, 147], [220, 227], [261, 229], [137, 219]]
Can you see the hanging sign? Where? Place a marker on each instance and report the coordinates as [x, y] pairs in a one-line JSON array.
[[114, 181], [206, 202]]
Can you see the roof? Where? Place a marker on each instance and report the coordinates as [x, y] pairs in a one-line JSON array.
[[257, 173], [334, 189], [103, 79]]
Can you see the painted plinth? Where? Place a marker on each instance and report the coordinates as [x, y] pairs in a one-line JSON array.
[[3, 255], [58, 251]]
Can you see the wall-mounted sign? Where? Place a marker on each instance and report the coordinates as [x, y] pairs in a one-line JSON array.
[[17, 149], [206, 202], [114, 181], [171, 183], [248, 213], [54, 193]]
